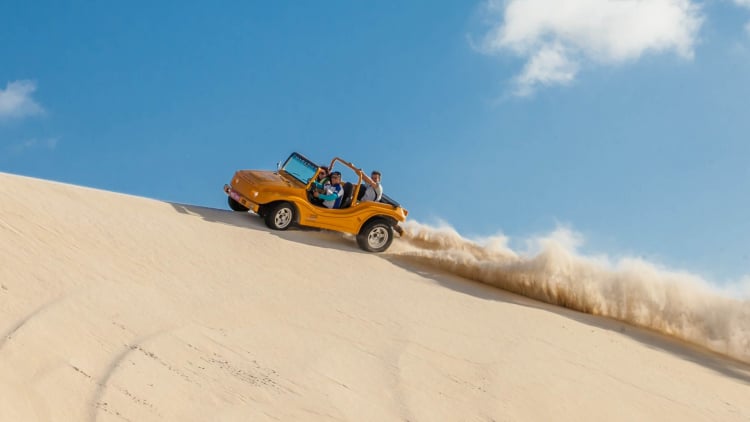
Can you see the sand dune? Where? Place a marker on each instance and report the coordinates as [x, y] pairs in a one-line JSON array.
[[114, 307]]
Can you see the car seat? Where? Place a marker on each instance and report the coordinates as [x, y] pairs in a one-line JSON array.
[[346, 200], [362, 190]]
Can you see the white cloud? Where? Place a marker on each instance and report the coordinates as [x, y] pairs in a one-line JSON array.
[[746, 4], [16, 101], [739, 289], [562, 237], [558, 37], [548, 66]]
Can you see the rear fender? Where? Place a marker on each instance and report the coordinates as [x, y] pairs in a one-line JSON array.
[[390, 220]]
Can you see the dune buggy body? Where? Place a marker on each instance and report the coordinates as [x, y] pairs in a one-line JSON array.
[[284, 197]]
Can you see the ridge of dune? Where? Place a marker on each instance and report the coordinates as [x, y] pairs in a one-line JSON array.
[[116, 307]]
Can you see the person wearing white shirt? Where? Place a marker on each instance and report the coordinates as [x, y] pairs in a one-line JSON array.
[[374, 190]]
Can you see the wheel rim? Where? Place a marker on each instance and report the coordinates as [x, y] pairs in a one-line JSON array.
[[378, 237], [283, 217]]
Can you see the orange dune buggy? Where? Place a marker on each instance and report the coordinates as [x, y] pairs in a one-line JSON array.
[[284, 197]]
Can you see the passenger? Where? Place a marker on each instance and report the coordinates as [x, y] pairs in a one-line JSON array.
[[373, 190], [333, 193]]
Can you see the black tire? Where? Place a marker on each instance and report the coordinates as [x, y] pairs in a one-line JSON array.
[[236, 206], [280, 216], [375, 236]]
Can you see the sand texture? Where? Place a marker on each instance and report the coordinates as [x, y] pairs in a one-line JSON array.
[[121, 308]]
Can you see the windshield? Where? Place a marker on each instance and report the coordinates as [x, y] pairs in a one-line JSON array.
[[300, 168]]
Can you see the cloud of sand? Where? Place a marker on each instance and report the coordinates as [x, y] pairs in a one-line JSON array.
[[632, 290]]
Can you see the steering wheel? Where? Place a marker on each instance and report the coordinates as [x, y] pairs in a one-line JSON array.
[[310, 196]]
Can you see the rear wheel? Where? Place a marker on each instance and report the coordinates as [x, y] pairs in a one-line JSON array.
[[280, 216], [236, 206], [375, 236]]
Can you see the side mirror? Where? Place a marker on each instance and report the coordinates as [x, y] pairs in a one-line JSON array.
[[278, 166]]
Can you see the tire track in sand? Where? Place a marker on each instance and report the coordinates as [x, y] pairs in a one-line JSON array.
[[102, 384], [23, 321]]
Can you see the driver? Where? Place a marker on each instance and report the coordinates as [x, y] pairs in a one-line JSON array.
[[319, 185], [333, 193], [322, 180]]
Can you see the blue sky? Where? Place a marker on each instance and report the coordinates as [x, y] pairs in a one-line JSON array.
[[625, 121]]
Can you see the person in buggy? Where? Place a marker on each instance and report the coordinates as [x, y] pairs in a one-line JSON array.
[[319, 184], [332, 193], [372, 190], [322, 180]]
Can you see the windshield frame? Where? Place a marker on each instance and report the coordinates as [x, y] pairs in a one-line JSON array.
[[300, 167]]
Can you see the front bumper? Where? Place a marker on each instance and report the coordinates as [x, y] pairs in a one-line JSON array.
[[252, 206]]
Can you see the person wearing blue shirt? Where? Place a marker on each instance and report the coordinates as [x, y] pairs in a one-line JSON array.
[[333, 193]]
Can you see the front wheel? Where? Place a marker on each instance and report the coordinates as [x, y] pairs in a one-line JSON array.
[[375, 236], [280, 216]]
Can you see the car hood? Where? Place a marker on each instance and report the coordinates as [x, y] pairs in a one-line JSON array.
[[261, 178]]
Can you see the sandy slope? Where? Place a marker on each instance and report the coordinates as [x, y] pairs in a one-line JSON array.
[[115, 307]]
